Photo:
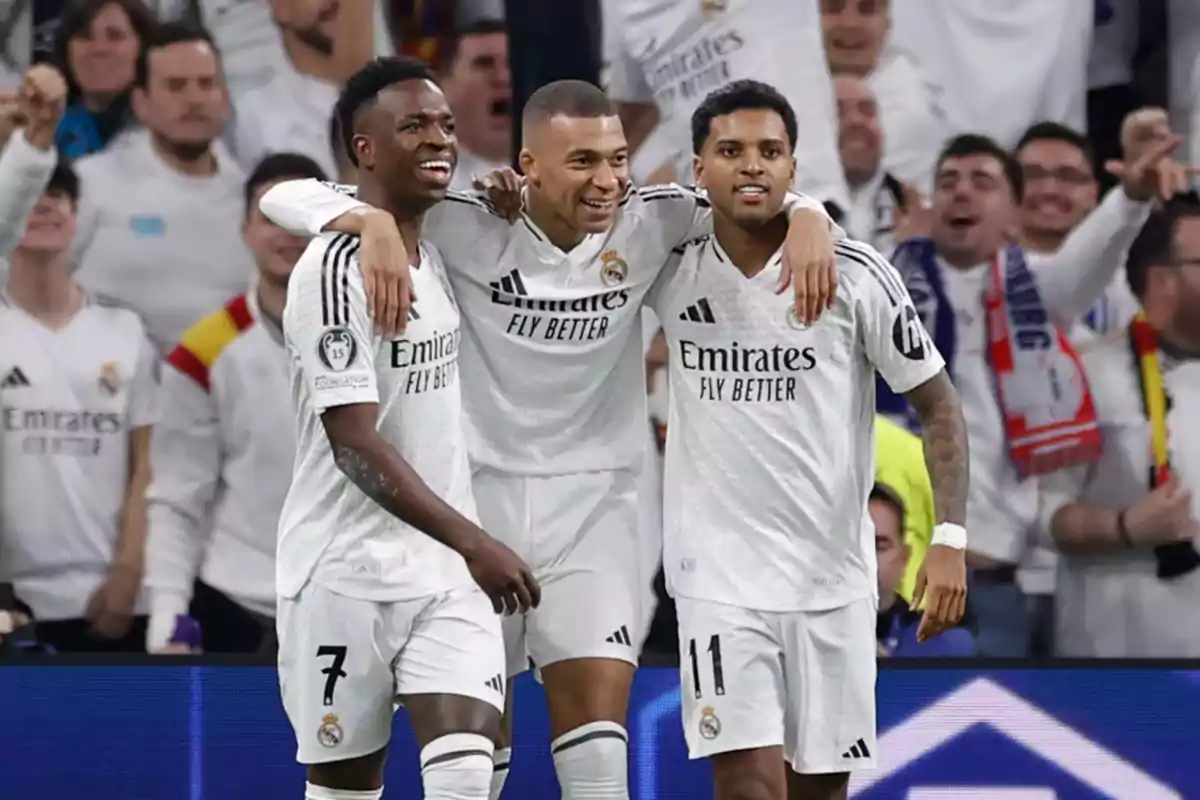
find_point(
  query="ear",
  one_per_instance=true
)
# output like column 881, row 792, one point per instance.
column 906, row 551
column 792, row 173
column 698, row 172
column 528, row 167
column 364, row 150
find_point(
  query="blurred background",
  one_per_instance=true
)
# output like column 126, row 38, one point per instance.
column 139, row 136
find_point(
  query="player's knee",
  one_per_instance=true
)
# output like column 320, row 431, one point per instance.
column 829, row 786
column 457, row 766
column 313, row 791
column 592, row 762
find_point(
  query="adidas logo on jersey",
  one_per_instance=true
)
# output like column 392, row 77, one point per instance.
column 510, row 284
column 495, row 683
column 620, row 636
column 14, row 379
column 859, row 750
column 699, row 311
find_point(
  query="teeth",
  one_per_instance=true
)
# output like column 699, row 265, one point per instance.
column 596, row 203
column 440, row 165
column 752, row 190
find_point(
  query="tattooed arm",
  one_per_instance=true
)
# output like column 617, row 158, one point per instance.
column 945, row 435
column 383, row 475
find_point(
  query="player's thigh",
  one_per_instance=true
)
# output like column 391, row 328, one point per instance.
column 830, row 663
column 586, row 560
column 731, row 679
column 757, row 774
column 335, row 675
column 450, row 673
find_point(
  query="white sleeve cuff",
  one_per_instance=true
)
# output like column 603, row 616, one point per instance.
column 164, row 608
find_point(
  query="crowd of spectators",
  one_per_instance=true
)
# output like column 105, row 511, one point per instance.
column 146, row 445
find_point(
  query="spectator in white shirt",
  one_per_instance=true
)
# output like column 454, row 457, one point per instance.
column 159, row 222
column 478, row 88
column 875, row 194
column 857, row 42
column 1001, row 66
column 325, row 42
column 29, row 156
column 996, row 313
column 77, row 391
column 223, row 450
column 1129, row 573
column 97, row 46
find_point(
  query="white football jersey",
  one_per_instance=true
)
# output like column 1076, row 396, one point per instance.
column 675, row 52
column 330, row 532
column 770, row 437
column 553, row 376
column 68, row 401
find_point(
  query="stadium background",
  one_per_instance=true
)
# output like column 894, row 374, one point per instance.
column 204, row 730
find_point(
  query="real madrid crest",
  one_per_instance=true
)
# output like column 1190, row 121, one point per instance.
column 613, row 269
column 330, row 732
column 793, row 321
column 710, row 725
column 110, row 378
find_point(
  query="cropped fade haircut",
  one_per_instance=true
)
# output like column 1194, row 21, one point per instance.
column 364, row 87
column 741, row 96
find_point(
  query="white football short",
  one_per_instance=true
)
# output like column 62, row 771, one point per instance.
column 343, row 662
column 579, row 535
column 803, row 680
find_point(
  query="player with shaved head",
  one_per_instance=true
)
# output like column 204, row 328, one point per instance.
column 554, row 390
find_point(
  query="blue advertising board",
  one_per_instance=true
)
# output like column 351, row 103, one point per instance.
column 201, row 732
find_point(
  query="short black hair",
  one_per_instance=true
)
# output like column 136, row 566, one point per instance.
column 739, row 96
column 1155, row 244
column 278, row 166
column 974, row 144
column 1056, row 132
column 886, row 494
column 77, row 18
column 165, row 35
column 481, row 27
column 567, row 98
column 365, row 85
column 64, row 181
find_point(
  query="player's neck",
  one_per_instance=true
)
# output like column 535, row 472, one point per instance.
column 407, row 222
column 749, row 248
column 541, row 210
column 41, row 286
column 307, row 60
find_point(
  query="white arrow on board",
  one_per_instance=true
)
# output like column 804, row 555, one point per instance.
column 982, row 702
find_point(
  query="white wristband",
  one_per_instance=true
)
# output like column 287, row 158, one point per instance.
column 948, row 534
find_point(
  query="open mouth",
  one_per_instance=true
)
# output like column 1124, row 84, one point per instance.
column 751, row 192
column 439, row 170
column 501, row 107
column 598, row 205
column 962, row 222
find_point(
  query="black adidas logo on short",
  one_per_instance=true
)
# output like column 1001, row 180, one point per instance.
column 495, row 683
column 620, row 636
column 14, row 379
column 511, row 284
column 859, row 750
column 699, row 311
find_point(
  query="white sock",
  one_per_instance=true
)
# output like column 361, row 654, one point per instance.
column 500, row 761
column 592, row 762
column 314, row 792
column 457, row 766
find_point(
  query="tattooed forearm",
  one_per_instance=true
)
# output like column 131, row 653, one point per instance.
column 945, row 434
column 382, row 475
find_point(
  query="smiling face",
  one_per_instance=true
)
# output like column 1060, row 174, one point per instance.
column 746, row 165
column 854, row 31
column 405, row 140
column 974, row 208
column 580, row 164
column 274, row 249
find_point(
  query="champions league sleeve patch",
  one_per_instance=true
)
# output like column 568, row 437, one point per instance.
column 337, row 350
